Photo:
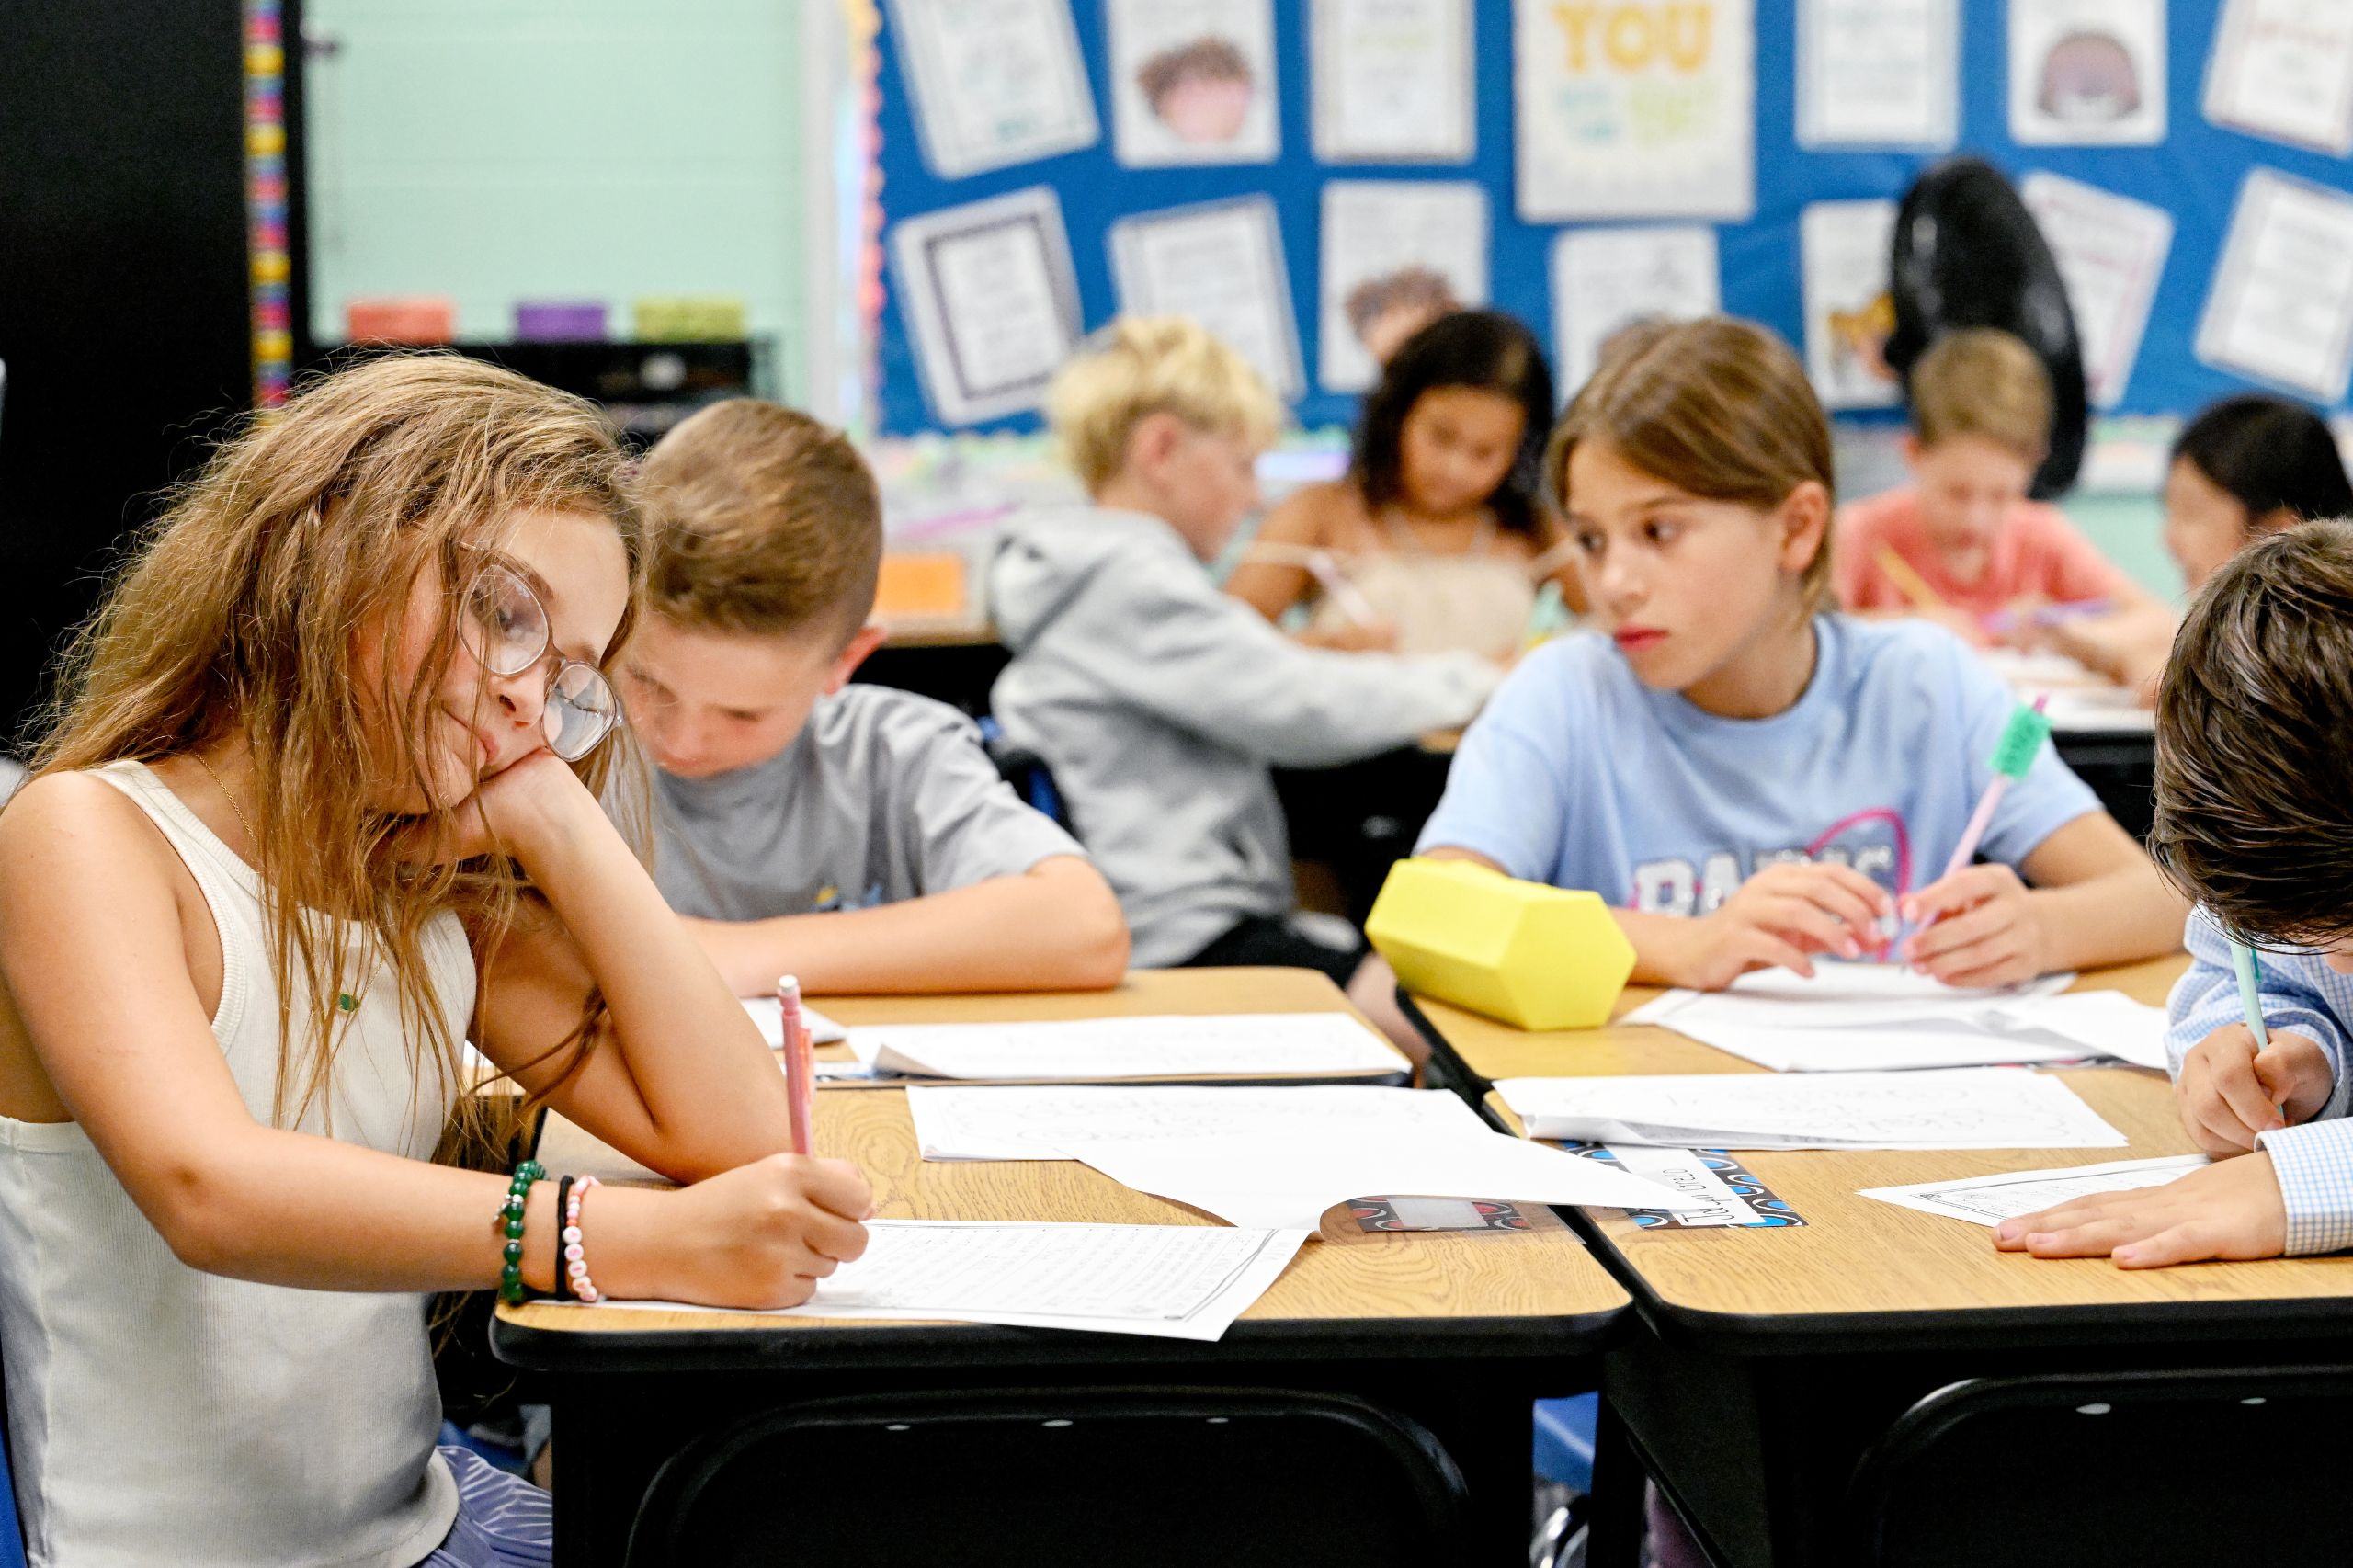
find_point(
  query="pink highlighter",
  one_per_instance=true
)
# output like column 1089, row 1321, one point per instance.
column 799, row 1071
column 2014, row 753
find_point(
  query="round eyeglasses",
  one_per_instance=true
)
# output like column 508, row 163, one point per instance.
column 505, row 626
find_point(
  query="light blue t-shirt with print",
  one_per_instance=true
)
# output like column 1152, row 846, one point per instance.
column 1578, row 775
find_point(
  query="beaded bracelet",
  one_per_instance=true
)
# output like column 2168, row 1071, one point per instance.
column 562, row 1206
column 510, row 1221
column 575, row 1256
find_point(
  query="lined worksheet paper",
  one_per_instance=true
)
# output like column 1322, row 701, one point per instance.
column 1167, row 1282
column 1989, row 1201
column 1025, row 1123
column 1249, row 1044
column 1966, row 1108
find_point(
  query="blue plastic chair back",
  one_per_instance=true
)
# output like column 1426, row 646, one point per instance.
column 1564, row 1430
column 1031, row 778
column 12, row 1531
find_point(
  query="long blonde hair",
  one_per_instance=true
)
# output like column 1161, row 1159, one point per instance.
column 238, row 613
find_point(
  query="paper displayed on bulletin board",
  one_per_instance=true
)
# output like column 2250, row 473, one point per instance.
column 2284, row 69
column 1193, row 81
column 1395, row 254
column 2111, row 254
column 1845, row 248
column 1221, row 263
column 1392, row 81
column 989, row 291
column 1879, row 74
column 1634, row 108
column 2087, row 72
column 994, row 82
column 2280, row 308
column 1604, row 280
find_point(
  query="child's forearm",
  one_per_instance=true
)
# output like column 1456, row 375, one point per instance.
column 709, row 1087
column 2117, row 917
column 1056, row 927
column 1661, row 944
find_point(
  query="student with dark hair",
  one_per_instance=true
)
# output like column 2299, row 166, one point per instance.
column 1436, row 537
column 2246, row 467
column 2255, row 741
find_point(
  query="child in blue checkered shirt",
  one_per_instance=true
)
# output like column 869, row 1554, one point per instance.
column 2255, row 819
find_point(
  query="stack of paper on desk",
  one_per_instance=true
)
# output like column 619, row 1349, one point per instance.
column 1989, row 1201
column 1881, row 1017
column 1967, row 1108
column 1023, row 1123
column 1077, row 1050
column 1170, row 1281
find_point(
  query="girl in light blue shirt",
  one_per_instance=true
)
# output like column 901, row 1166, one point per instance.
column 1752, row 782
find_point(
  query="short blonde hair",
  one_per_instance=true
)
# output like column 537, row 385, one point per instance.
column 765, row 521
column 1145, row 365
column 1980, row 381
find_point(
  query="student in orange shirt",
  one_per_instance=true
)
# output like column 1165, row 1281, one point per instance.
column 1963, row 545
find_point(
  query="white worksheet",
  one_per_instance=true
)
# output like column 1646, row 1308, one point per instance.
column 1846, row 251
column 1989, row 1201
column 1019, row 1122
column 1291, row 1181
column 1221, row 263
column 1879, row 74
column 993, row 82
column 1392, row 81
column 1839, row 994
column 1168, row 1281
column 990, row 300
column 2111, row 254
column 1634, row 110
column 1076, row 1049
column 2087, row 72
column 2284, row 69
column 1604, row 280
column 767, row 1013
column 1961, row 1107
column 2281, row 306
column 1421, row 242
column 1193, row 81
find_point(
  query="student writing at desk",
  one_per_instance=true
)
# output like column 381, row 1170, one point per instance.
column 1751, row 781
column 857, row 837
column 2255, row 819
column 1435, row 535
column 318, row 810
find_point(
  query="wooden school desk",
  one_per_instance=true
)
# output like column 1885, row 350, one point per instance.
column 1773, row 1359
column 1190, row 992
column 1459, row 1331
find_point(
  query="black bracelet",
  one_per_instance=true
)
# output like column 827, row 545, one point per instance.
column 563, row 1202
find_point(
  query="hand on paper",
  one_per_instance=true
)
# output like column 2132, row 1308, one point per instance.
column 760, row 1236
column 1781, row 917
column 1986, row 929
column 2232, row 1210
column 2229, row 1091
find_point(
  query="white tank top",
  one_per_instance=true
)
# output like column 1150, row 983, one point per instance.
column 159, row 1415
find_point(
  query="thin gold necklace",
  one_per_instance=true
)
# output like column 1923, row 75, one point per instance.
column 252, row 838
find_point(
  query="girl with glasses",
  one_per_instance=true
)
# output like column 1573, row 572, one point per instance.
column 318, row 804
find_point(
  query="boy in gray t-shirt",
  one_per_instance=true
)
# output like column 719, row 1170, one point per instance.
column 860, row 838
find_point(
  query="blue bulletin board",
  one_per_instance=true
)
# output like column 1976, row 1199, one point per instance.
column 2195, row 174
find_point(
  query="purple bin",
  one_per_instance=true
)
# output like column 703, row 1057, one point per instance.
column 559, row 320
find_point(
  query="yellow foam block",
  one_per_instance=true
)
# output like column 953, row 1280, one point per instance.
column 1538, row 956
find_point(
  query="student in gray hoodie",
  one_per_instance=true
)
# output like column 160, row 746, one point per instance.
column 1159, row 702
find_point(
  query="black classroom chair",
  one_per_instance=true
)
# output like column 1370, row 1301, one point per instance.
column 1143, row 1477
column 2154, row 1469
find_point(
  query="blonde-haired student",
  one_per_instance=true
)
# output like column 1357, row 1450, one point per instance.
column 318, row 807
column 857, row 837
column 1962, row 544
column 1751, row 781
column 1160, row 702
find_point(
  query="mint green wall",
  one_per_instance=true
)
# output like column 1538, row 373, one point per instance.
column 2129, row 531
column 491, row 150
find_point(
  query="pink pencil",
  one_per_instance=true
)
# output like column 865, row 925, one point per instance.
column 800, row 1072
column 2012, row 756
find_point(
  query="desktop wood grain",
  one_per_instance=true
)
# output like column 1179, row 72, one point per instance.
column 1351, row 1274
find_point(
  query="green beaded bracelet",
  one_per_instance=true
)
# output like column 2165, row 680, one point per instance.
column 510, row 1223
